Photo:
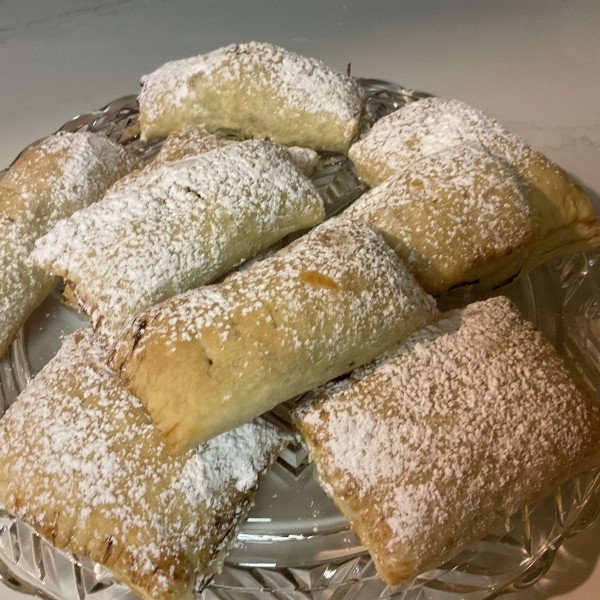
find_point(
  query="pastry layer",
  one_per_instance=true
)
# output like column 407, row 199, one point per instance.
column 176, row 227
column 215, row 357
column 48, row 182
column 82, row 463
column 466, row 215
column 258, row 90
column 427, row 127
column 432, row 446
column 191, row 142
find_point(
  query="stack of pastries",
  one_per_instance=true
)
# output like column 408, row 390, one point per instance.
column 141, row 444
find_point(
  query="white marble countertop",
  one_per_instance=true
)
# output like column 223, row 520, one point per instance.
column 534, row 64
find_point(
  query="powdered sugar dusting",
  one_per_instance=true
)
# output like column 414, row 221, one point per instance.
column 50, row 181
column 431, row 445
column 304, row 158
column 177, row 227
column 303, row 85
column 333, row 299
column 345, row 260
column 191, row 142
column 452, row 213
column 427, row 127
column 81, row 461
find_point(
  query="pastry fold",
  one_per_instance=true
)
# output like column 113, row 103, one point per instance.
column 48, row 182
column 191, row 142
column 434, row 445
column 81, row 462
column 258, row 90
column 211, row 359
column 176, row 227
column 431, row 125
column 466, row 215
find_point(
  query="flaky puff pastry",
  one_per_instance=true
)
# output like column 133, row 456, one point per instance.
column 434, row 445
column 48, row 182
column 191, row 142
column 82, row 463
column 466, row 216
column 408, row 141
column 211, row 359
column 258, row 90
column 177, row 226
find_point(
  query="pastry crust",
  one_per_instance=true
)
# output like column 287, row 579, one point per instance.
column 176, row 227
column 434, row 445
column 191, row 142
column 48, row 182
column 466, row 216
column 427, row 127
column 258, row 90
column 82, row 463
column 213, row 358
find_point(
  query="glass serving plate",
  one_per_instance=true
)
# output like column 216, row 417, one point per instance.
column 295, row 545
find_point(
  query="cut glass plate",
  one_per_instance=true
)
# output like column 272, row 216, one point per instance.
column 295, row 544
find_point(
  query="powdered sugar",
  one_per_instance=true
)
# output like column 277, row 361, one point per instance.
column 198, row 91
column 359, row 254
column 176, row 227
column 50, row 181
column 190, row 142
column 469, row 419
column 304, row 158
column 333, row 299
column 305, row 82
column 427, row 127
column 452, row 213
column 81, row 461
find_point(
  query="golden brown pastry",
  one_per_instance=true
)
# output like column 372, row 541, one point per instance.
column 466, row 216
column 191, row 142
column 48, row 182
column 258, row 90
column 434, row 445
column 176, row 227
column 82, row 463
column 431, row 125
column 206, row 361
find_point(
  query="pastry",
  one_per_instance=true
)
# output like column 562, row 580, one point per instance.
column 434, row 445
column 177, row 227
column 81, row 462
column 190, row 142
column 305, row 159
column 211, row 359
column 431, row 125
column 256, row 90
column 49, row 181
column 467, row 216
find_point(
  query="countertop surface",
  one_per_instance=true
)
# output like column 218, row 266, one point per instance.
column 534, row 65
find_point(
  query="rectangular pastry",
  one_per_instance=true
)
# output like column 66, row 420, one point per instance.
column 432, row 446
column 465, row 216
column 258, row 90
column 48, row 182
column 176, row 227
column 406, row 151
column 81, row 462
column 211, row 359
